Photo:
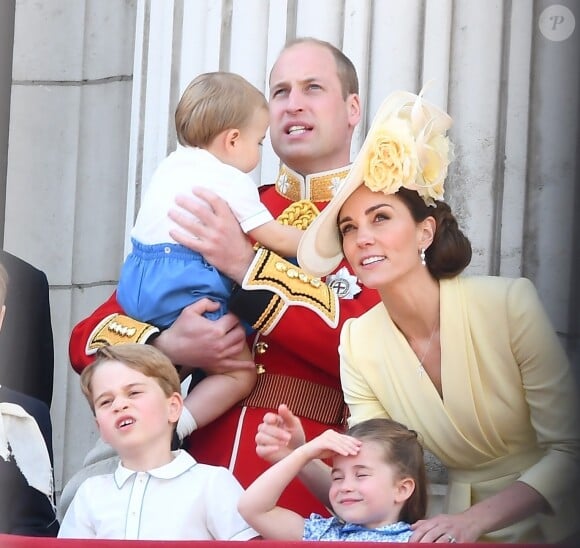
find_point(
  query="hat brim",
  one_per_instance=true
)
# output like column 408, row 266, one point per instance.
column 320, row 248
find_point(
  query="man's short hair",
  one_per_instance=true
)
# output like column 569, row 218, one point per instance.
column 344, row 66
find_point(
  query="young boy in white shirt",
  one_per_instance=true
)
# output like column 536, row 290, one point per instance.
column 220, row 121
column 155, row 493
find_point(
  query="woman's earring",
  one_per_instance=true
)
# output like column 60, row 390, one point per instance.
column 423, row 257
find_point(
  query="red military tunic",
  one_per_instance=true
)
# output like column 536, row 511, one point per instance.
column 295, row 346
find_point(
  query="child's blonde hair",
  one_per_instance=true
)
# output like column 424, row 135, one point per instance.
column 403, row 451
column 4, row 278
column 212, row 103
column 141, row 357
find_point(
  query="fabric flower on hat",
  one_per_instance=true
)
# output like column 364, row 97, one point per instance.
column 435, row 154
column 409, row 149
column 392, row 160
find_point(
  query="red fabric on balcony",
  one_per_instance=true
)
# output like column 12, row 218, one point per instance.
column 15, row 541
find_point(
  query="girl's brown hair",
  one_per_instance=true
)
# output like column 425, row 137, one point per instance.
column 403, row 451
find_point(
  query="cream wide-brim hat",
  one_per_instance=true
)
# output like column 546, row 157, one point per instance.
column 320, row 249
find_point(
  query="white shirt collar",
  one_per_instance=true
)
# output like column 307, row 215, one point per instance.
column 181, row 463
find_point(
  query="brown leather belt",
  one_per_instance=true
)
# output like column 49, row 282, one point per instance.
column 303, row 397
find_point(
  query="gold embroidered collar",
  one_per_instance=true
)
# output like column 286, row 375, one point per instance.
column 317, row 187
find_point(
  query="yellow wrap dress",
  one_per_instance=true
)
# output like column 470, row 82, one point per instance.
column 509, row 407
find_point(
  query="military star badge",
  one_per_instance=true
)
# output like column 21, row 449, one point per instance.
column 343, row 283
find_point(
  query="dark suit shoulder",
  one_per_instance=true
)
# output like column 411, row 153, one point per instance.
column 33, row 406
column 15, row 265
column 26, row 340
column 36, row 409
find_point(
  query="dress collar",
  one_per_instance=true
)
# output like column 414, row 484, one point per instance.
column 316, row 187
column 182, row 462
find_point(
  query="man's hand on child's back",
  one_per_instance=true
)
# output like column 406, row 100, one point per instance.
column 193, row 341
column 212, row 231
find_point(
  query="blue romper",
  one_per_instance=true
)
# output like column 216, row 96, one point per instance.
column 158, row 281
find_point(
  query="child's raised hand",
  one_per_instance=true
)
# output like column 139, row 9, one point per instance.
column 331, row 443
column 279, row 434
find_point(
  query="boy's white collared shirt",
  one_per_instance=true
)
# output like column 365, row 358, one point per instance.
column 178, row 501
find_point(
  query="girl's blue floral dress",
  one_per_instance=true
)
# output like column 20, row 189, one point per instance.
column 317, row 527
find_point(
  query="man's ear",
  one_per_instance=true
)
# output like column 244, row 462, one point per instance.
column 353, row 109
column 404, row 489
column 2, row 314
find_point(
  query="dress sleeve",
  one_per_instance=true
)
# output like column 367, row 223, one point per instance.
column 551, row 393
column 358, row 395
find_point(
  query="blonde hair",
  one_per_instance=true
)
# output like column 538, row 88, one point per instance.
column 142, row 358
column 4, row 278
column 212, row 103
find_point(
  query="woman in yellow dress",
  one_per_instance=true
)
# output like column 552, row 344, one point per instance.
column 471, row 363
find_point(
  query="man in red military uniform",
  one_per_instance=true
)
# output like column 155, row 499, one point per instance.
column 314, row 108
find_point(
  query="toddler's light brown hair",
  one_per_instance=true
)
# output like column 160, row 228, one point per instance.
column 214, row 102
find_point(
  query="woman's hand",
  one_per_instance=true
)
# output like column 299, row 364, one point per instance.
column 512, row 504
column 445, row 528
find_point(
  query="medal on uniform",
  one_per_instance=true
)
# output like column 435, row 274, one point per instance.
column 343, row 283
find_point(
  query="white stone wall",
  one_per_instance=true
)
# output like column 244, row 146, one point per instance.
column 67, row 169
column 95, row 84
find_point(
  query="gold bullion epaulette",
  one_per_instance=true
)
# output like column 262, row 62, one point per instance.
column 118, row 329
column 292, row 286
column 299, row 214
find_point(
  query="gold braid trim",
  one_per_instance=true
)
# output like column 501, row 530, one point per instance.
column 292, row 285
column 318, row 187
column 118, row 329
column 299, row 214
column 268, row 318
